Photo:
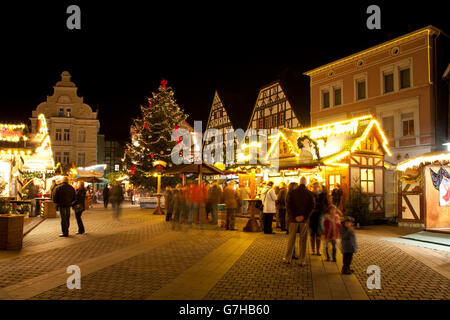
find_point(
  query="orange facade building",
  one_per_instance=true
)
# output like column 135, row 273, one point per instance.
column 399, row 82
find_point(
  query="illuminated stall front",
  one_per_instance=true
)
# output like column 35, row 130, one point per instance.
column 23, row 153
column 349, row 153
column 424, row 192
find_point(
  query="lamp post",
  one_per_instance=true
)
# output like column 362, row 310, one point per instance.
column 159, row 166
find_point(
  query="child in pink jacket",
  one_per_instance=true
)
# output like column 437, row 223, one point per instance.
column 331, row 226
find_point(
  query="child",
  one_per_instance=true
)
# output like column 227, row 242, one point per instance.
column 348, row 243
column 331, row 226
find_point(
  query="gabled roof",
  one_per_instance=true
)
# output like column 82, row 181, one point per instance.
column 218, row 100
column 335, row 140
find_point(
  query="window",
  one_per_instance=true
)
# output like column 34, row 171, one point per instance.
column 405, row 79
column 325, row 99
column 388, row 79
column 81, row 135
column 81, row 159
column 388, row 127
column 337, row 96
column 261, row 124
column 333, row 180
column 275, row 120
column 368, row 180
column 408, row 124
column 66, row 134
column 281, row 119
column 57, row 157
column 61, row 112
column 58, row 134
column 68, row 112
column 268, row 123
column 66, row 157
column 360, row 89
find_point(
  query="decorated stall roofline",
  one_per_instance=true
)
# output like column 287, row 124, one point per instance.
column 443, row 158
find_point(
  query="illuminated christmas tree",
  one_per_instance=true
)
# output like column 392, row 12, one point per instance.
column 151, row 135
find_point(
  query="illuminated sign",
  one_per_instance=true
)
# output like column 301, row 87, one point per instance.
column 335, row 129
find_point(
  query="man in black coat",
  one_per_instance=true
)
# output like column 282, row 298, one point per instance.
column 105, row 195
column 64, row 197
column 299, row 205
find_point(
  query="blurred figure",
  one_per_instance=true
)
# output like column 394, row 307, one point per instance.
column 106, row 196
column 168, row 200
column 176, row 199
column 268, row 198
column 315, row 227
column 215, row 195
column 336, row 195
column 331, row 226
column 64, row 198
column 348, row 243
column 196, row 199
column 116, row 197
column 79, row 206
column 244, row 195
column 230, row 198
column 299, row 204
column 281, row 205
column 184, row 203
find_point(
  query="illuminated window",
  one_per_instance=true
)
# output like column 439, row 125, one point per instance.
column 408, row 124
column 58, row 134
column 405, row 79
column 81, row 135
column 325, row 99
column 66, row 134
column 333, row 180
column 281, row 118
column 275, row 120
column 360, row 89
column 68, row 112
column 388, row 80
column 368, row 180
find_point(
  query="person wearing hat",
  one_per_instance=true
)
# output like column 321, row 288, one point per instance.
column 348, row 244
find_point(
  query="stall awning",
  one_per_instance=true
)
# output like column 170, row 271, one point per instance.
column 436, row 157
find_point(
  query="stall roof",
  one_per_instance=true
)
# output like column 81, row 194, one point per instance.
column 440, row 157
column 335, row 141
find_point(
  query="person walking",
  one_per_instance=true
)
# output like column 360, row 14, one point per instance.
column 116, row 197
column 331, row 226
column 78, row 206
column 176, row 199
column 215, row 196
column 268, row 198
column 315, row 222
column 336, row 195
column 281, row 206
column 64, row 197
column 168, row 200
column 245, row 196
column 106, row 196
column 299, row 205
column 230, row 197
column 348, row 244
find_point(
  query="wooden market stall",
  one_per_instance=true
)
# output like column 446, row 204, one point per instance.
column 424, row 192
column 349, row 153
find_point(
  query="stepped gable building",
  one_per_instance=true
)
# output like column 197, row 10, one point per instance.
column 72, row 125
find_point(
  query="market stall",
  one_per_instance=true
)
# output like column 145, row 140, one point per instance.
column 424, row 192
column 348, row 153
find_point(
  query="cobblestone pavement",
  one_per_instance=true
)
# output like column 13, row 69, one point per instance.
column 141, row 254
column 266, row 279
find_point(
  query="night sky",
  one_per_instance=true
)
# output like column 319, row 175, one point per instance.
column 125, row 48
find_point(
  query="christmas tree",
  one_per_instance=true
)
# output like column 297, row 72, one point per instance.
column 151, row 136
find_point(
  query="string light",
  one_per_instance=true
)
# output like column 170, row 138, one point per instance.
column 417, row 161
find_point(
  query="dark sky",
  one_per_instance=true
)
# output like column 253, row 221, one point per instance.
column 125, row 48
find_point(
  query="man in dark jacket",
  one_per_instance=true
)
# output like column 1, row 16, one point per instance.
column 105, row 195
column 299, row 205
column 281, row 204
column 64, row 197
